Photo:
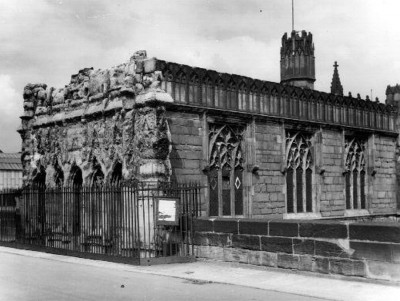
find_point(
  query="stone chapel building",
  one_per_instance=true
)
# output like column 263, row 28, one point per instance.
column 260, row 149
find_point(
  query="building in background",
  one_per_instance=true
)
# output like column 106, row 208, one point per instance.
column 10, row 170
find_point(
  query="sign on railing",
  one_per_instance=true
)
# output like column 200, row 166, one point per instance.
column 167, row 211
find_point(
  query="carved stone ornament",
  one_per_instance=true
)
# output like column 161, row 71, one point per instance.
column 225, row 146
column 298, row 151
column 355, row 158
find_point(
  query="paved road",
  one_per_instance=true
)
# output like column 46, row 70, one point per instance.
column 30, row 278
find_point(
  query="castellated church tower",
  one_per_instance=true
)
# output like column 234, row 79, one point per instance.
column 297, row 60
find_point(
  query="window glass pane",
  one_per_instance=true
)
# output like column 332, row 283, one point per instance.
column 299, row 189
column 309, row 190
column 213, row 184
column 289, row 190
column 226, row 192
column 238, row 192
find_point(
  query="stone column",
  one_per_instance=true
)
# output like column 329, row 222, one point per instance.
column 153, row 144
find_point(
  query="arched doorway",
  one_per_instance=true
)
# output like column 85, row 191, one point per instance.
column 76, row 181
column 115, row 211
column 96, row 203
column 116, row 176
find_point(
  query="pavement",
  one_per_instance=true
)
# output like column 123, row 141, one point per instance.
column 320, row 286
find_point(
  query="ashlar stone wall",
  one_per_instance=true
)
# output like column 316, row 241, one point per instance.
column 269, row 197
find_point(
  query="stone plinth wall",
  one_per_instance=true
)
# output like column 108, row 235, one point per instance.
column 368, row 250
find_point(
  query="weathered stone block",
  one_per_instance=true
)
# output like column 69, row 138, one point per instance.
column 236, row 255
column 359, row 268
column 139, row 66
column 323, row 229
column 283, row 228
column 330, row 249
column 372, row 251
column 246, row 242
column 256, row 227
column 341, row 266
column 213, row 239
column 216, row 253
column 287, row 261
column 383, row 270
column 375, row 232
column 254, row 257
column 269, row 259
column 306, row 263
column 149, row 65
column 203, row 225
column 321, row 265
column 200, row 238
column 276, row 244
column 395, row 253
column 304, row 246
column 226, row 226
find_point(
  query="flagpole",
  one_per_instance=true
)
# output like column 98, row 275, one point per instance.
column 292, row 15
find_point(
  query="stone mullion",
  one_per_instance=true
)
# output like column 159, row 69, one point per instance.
column 232, row 188
column 351, row 188
column 304, row 190
column 359, row 188
column 294, row 188
column 220, row 201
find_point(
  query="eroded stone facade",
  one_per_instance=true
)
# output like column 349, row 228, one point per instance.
column 102, row 119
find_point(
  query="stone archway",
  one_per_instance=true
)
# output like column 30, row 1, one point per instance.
column 76, row 181
column 116, row 175
column 58, row 176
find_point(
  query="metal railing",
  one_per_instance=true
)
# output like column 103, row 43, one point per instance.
column 118, row 220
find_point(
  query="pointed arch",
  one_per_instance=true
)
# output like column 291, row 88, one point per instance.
column 225, row 174
column 116, row 174
column 75, row 179
column 97, row 176
column 39, row 177
column 74, row 208
column 355, row 166
column 58, row 175
column 299, row 173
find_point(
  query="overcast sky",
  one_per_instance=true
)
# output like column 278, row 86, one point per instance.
column 47, row 41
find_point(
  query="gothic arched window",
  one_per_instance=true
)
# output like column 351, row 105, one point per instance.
column 225, row 176
column 299, row 173
column 355, row 174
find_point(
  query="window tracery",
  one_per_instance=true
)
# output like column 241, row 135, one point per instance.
column 226, row 169
column 299, row 174
column 355, row 176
